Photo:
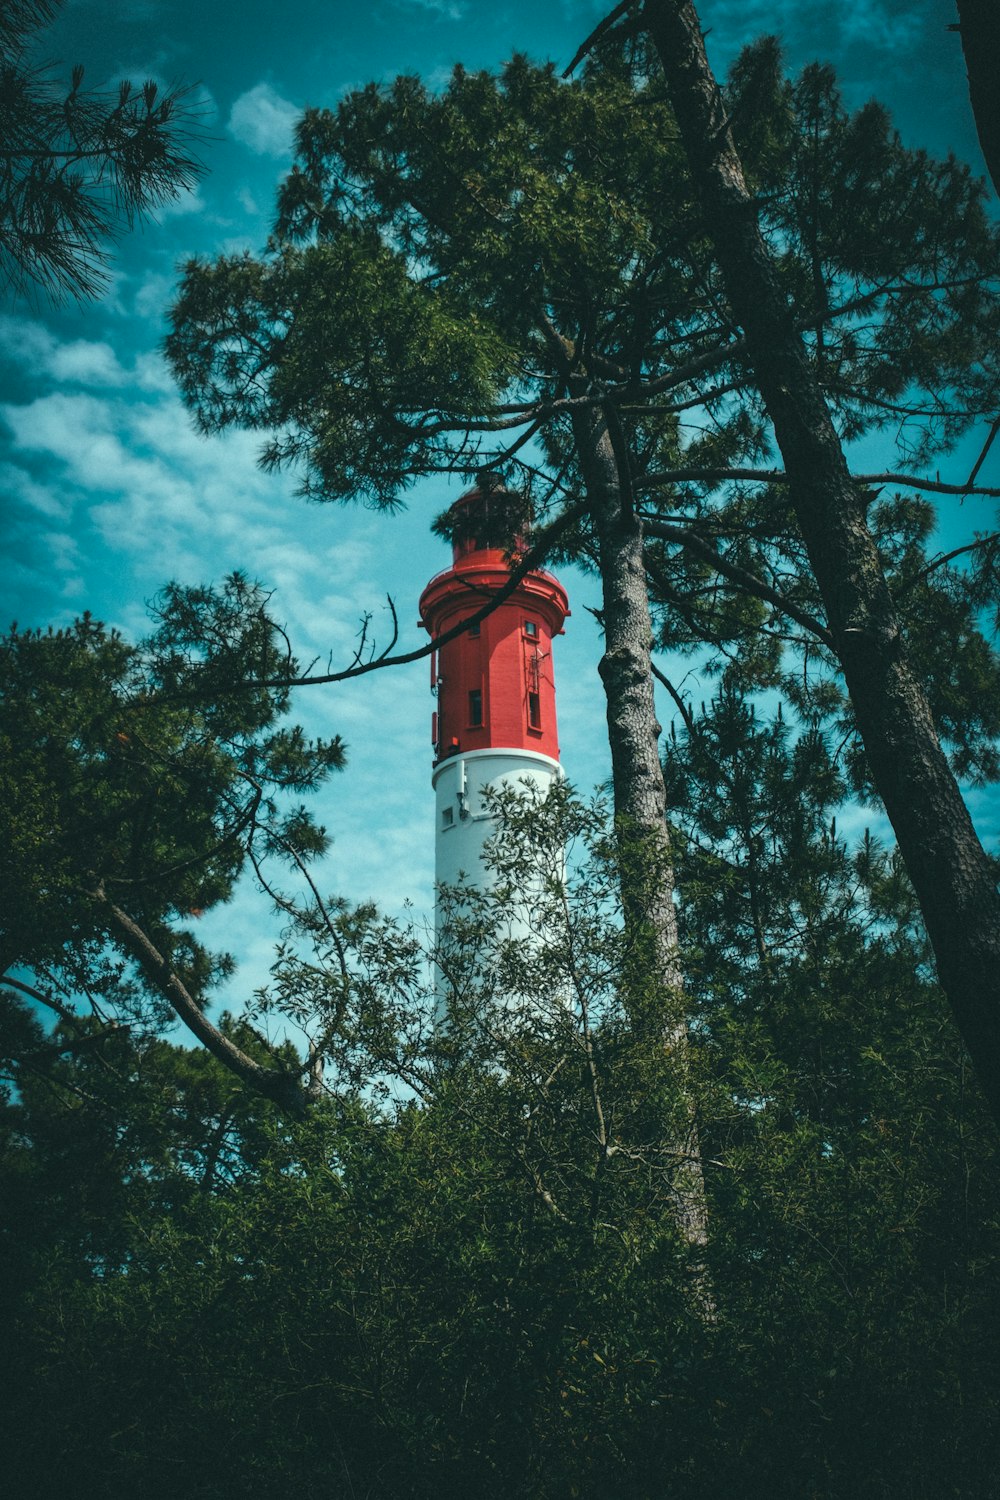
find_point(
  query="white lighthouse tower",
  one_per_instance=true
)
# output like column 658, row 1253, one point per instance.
column 495, row 723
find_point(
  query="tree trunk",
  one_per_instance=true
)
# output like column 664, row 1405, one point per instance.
column 654, row 981
column 950, row 871
column 633, row 730
column 979, row 27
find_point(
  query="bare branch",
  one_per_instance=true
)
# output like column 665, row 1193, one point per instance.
column 944, row 558
column 275, row 1084
column 740, row 576
column 532, row 559
column 994, row 429
column 778, row 476
column 597, row 35
column 62, row 1011
column 685, row 712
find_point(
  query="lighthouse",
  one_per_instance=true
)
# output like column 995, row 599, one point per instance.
column 495, row 721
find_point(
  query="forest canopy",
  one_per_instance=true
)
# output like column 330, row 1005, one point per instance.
column 698, row 1192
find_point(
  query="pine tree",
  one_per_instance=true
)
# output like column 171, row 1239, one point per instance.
column 953, row 875
column 135, row 791
column 454, row 275
column 77, row 165
column 464, row 1261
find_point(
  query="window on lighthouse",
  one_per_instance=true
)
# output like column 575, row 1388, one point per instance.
column 475, row 708
column 531, row 628
column 534, row 711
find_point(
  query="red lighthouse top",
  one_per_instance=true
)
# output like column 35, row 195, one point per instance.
column 494, row 683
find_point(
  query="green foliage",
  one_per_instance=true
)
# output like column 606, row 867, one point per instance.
column 890, row 266
column 345, row 323
column 453, row 1275
column 489, row 230
column 452, row 271
column 463, row 1270
column 845, row 1107
column 548, row 222
column 78, row 164
column 127, row 775
column 894, row 244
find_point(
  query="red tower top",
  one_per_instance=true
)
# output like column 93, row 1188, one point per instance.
column 494, row 683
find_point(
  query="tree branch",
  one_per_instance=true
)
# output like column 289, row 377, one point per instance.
column 532, row 559
column 744, row 579
column 778, row 476
column 281, row 1087
column 685, row 712
column 40, row 997
column 944, row 558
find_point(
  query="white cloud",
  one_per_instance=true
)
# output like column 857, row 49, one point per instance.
column 874, row 26
column 25, row 342
column 78, row 362
column 17, row 485
column 187, row 201
column 436, row 80
column 129, row 472
column 452, row 10
column 262, row 120
column 247, row 201
column 116, row 493
column 153, row 293
column 152, row 373
column 86, row 363
column 820, row 24
column 238, row 244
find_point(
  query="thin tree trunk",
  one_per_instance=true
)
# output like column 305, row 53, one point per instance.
column 626, row 671
column 952, row 876
column 639, row 793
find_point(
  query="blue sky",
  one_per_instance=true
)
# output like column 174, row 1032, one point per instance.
column 107, row 490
